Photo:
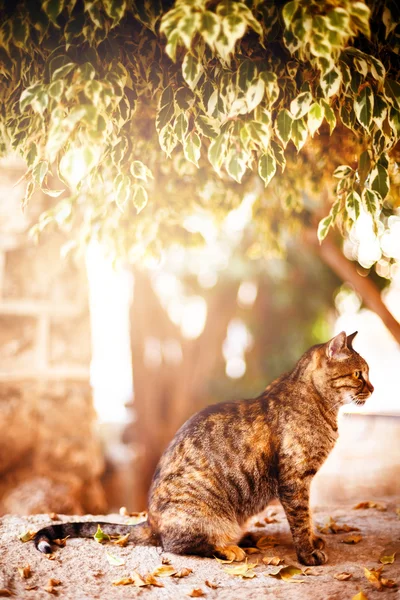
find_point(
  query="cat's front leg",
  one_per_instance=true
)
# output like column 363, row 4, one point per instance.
column 295, row 501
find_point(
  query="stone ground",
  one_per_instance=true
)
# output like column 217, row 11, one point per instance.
column 85, row 573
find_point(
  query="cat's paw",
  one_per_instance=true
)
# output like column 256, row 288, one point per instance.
column 317, row 542
column 233, row 553
column 317, row 557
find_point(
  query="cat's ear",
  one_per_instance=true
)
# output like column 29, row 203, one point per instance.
column 337, row 346
column 350, row 339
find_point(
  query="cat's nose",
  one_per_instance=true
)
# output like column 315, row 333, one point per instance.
column 370, row 386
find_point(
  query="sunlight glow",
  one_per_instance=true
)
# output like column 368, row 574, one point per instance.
column 237, row 342
column 247, row 294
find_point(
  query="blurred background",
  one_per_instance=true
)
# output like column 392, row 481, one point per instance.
column 101, row 364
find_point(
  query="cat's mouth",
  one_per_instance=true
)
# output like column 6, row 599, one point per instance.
column 361, row 399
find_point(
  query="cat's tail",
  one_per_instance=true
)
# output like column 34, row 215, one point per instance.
column 140, row 534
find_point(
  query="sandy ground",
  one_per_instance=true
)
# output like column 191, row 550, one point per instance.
column 83, row 569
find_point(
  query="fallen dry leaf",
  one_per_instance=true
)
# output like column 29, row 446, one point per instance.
column 61, row 542
column 250, row 551
column 196, row 593
column 50, row 588
column 29, row 588
column 115, row 561
column 389, row 583
column 398, row 511
column 273, row 560
column 360, row 596
column 123, row 581
column 122, row 540
column 373, row 577
column 27, row 536
column 388, row 559
column 343, row 576
column 183, row 573
column 332, row 527
column 244, row 570
column 165, row 560
column 137, row 517
column 50, row 556
column 54, row 516
column 364, row 505
column 352, row 539
column 4, row 593
column 312, row 571
column 54, row 582
column 286, row 573
column 266, row 541
column 100, row 536
column 211, row 585
column 25, row 572
column 164, row 571
column 224, row 561
column 259, row 524
column 151, row 580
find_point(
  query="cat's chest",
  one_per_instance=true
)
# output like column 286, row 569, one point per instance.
column 308, row 446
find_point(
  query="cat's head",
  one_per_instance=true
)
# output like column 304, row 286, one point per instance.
column 342, row 375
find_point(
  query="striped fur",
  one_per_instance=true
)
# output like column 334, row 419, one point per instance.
column 228, row 461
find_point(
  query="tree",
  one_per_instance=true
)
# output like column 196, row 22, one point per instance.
column 228, row 88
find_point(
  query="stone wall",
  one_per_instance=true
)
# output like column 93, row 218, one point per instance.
column 50, row 459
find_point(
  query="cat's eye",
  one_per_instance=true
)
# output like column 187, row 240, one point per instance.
column 357, row 374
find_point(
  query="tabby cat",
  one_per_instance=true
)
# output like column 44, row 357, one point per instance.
column 228, row 461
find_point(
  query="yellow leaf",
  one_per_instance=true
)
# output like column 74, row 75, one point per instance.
column 352, row 539
column 244, row 570
column 251, row 550
column 388, row 559
column 183, row 573
column 364, row 505
column 389, row 583
column 123, row 581
column 149, row 579
column 61, row 542
column 273, row 560
column 223, row 560
column 25, row 572
column 266, row 541
column 373, row 577
column 312, row 571
column 27, row 536
column 122, row 541
column 164, row 571
column 286, row 573
column 116, row 561
column 332, row 527
column 196, row 593
column 360, row 596
column 343, row 576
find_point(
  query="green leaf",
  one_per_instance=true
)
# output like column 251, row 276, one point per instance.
column 300, row 105
column 364, row 165
column 379, row 181
column 39, row 171
column 360, row 14
column 210, row 26
column 337, row 19
column 343, row 171
column 259, row 133
column 140, row 171
column 53, row 9
column 31, row 155
column 283, row 126
column 191, row 70
column 168, row 139
column 62, row 71
column 278, row 154
column 207, row 126
column 191, row 148
column 236, row 165
column 266, row 167
column 56, row 89
column 246, row 74
column 20, row 32
column 217, row 151
column 353, row 203
column 140, row 198
column 314, row 118
column 329, row 115
column 28, row 95
column 371, row 201
column 299, row 133
column 166, row 108
column 380, row 110
column 330, row 82
column 181, row 127
column 392, row 92
column 288, row 12
column 363, row 107
column 100, row 536
column 323, row 227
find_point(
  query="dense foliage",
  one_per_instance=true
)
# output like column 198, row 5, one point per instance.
column 148, row 111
